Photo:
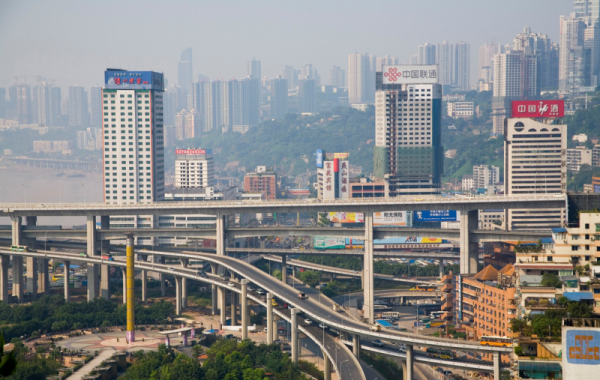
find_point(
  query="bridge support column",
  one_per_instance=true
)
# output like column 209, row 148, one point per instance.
column 222, row 305
column 66, row 272
column 327, row 369
column 105, row 269
column 5, row 260
column 92, row 269
column 43, row 280
column 220, row 226
column 408, row 374
column 284, row 269
column 368, row 280
column 215, row 303
column 441, row 268
column 294, row 336
column 233, row 308
column 184, row 264
column 269, row 318
column 32, row 278
column 244, row 301
column 144, row 285
column 178, row 295
column 17, row 268
column 356, row 345
column 130, row 258
column 124, row 271
column 469, row 252
column 496, row 366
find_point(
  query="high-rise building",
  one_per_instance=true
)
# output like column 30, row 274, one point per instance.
column 462, row 66
column 547, row 57
column 487, row 52
column 386, row 60
column 408, row 151
column 263, row 181
column 515, row 78
column 96, row 106
column 426, row 54
column 133, row 136
column 194, row 168
column 185, row 70
column 78, row 107
column 23, row 103
column 485, row 175
column 306, row 95
column 359, row 78
column 578, row 156
column 574, row 57
column 587, row 8
column 445, row 61
column 279, row 98
column 48, row 100
column 2, row 103
column 535, row 162
column 291, row 75
column 596, row 156
column 254, row 70
column 337, row 77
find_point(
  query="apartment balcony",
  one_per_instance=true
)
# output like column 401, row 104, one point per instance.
column 447, row 277
column 447, row 316
column 447, row 288
column 447, row 306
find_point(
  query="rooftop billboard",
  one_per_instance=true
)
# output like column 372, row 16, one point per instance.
column 410, row 74
column 133, row 80
column 193, row 151
column 538, row 108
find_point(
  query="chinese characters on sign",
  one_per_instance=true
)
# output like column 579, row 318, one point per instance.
column 410, row 74
column 328, row 180
column 344, row 185
column 538, row 108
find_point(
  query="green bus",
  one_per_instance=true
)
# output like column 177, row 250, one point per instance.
column 442, row 354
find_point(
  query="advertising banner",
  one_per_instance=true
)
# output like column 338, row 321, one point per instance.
column 344, row 179
column 393, row 218
column 436, row 216
column 408, row 74
column 133, row 80
column 341, row 156
column 319, row 157
column 346, row 217
column 327, row 242
column 328, row 180
column 596, row 188
column 354, row 243
column 193, row 151
column 538, row 108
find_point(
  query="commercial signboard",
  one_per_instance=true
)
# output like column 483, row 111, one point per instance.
column 410, row 74
column 328, row 180
column 436, row 216
column 319, row 157
column 581, row 352
column 133, row 80
column 193, row 151
column 538, row 108
column 341, row 156
column 328, row 242
column 346, row 217
column 393, row 218
column 408, row 240
column 344, row 180
column 354, row 243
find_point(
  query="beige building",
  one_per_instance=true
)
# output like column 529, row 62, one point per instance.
column 577, row 157
column 461, row 109
column 194, row 169
column 535, row 162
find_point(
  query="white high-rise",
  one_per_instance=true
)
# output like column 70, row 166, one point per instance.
column 132, row 127
column 426, row 55
column 445, row 60
column 359, row 73
column 194, row 169
column 485, row 175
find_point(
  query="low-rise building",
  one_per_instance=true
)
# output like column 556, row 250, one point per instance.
column 467, row 182
column 461, row 109
column 577, row 157
column 263, row 181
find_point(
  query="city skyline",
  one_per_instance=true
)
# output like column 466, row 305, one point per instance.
column 66, row 58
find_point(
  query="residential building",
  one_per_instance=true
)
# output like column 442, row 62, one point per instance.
column 364, row 188
column 577, row 157
column 596, row 156
column 306, row 95
column 133, row 136
column 48, row 99
column 425, row 56
column 580, row 138
column 462, row 66
column 487, row 52
column 96, row 107
column 467, row 182
column 574, row 55
column 485, row 175
column 387, row 60
column 445, row 61
column 254, row 69
column 194, row 169
column 262, row 181
column 2, row 103
column 535, row 162
column 359, row 73
column 515, row 78
column 291, row 75
column 22, row 100
column 408, row 153
column 279, row 98
column 78, row 107
column 547, row 57
column 337, row 77
column 491, row 219
column 185, row 70
column 461, row 109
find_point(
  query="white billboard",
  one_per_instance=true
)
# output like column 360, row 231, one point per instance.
column 410, row 74
column 393, row 218
column 328, row 180
column 344, row 179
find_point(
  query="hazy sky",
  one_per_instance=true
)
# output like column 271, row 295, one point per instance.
column 72, row 42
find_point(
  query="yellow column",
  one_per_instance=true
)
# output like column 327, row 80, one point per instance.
column 130, row 289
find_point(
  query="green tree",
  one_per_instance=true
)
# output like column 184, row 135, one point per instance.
column 197, row 350
column 551, row 280
column 8, row 362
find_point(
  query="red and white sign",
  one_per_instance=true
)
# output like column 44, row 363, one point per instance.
column 328, row 180
column 190, row 151
column 410, row 74
column 344, row 182
column 538, row 108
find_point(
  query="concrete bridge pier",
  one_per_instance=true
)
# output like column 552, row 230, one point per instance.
column 270, row 326
column 92, row 269
column 178, row 300
column 234, row 308
column 161, row 277
column 294, row 335
column 43, row 276
column 408, row 370
column 496, row 366
column 105, row 269
column 469, row 252
column 327, row 369
column 32, row 276
column 284, row 269
column 441, row 268
column 222, row 305
column 4, row 262
column 17, row 268
column 184, row 264
column 244, row 301
column 215, row 303
column 67, row 272
column 356, row 345
column 368, row 267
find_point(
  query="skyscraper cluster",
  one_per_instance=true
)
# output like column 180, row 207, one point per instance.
column 453, row 61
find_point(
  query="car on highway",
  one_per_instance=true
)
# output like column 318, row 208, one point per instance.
column 377, row 343
column 302, row 296
column 274, row 302
column 223, row 277
column 260, row 291
column 250, row 289
column 308, row 321
column 323, row 325
column 202, row 274
column 402, row 348
column 230, row 283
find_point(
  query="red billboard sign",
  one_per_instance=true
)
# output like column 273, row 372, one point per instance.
column 538, row 108
column 190, row 151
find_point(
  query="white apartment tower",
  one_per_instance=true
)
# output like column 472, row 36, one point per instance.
column 194, row 169
column 132, row 129
column 485, row 175
column 535, row 162
column 359, row 72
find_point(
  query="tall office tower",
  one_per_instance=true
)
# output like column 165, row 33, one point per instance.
column 133, row 138
column 194, row 168
column 426, row 54
column 254, row 70
column 462, row 66
column 187, row 124
column 96, row 106
column 48, row 104
column 408, row 152
column 515, row 78
column 279, row 98
column 486, row 60
column 169, row 133
column 306, row 95
column 587, row 8
column 2, row 103
column 250, row 101
column 485, row 175
column 359, row 72
column 78, row 107
column 337, row 77
column 309, row 72
column 23, row 103
column 386, row 60
column 185, row 70
column 291, row 75
column 547, row 57
column 535, row 162
column 574, row 57
column 445, row 61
